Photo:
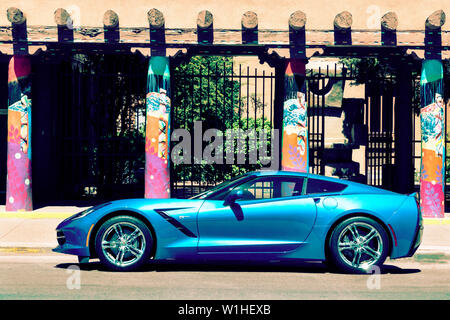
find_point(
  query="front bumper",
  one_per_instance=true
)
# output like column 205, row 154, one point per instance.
column 72, row 237
column 70, row 249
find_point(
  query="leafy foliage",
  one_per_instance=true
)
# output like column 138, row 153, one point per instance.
column 366, row 69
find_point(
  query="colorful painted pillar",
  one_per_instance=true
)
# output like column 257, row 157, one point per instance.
column 294, row 152
column 432, row 119
column 18, row 185
column 157, row 132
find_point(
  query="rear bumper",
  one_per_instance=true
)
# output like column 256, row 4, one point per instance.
column 407, row 223
column 417, row 239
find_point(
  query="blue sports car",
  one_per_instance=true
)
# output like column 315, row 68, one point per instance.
column 260, row 215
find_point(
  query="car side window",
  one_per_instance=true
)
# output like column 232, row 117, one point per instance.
column 323, row 186
column 259, row 190
column 272, row 187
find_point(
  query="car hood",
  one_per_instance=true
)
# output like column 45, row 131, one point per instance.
column 151, row 204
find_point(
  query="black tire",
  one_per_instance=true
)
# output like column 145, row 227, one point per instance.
column 116, row 248
column 358, row 251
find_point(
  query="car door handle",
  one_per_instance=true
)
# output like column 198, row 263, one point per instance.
column 316, row 200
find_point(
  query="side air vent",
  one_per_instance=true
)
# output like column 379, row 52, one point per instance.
column 60, row 237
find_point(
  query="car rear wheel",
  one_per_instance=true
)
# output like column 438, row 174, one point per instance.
column 357, row 244
column 123, row 243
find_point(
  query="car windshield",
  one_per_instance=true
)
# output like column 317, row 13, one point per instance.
column 220, row 186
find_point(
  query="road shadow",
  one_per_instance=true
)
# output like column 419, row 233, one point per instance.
column 285, row 267
column 390, row 269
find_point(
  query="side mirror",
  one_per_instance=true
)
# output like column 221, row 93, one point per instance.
column 232, row 197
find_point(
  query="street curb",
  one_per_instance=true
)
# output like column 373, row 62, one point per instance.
column 36, row 215
column 430, row 249
column 429, row 221
column 25, row 249
column 21, row 245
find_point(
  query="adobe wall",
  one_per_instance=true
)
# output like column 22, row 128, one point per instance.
column 227, row 14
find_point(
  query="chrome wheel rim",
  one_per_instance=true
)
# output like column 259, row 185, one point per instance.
column 123, row 244
column 360, row 245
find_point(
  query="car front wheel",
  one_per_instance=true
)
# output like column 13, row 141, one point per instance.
column 123, row 243
column 357, row 244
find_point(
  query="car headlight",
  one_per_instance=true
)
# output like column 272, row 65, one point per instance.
column 84, row 213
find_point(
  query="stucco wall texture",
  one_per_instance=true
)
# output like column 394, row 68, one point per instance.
column 228, row 13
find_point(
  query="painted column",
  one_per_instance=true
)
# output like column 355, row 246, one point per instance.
column 432, row 196
column 294, row 153
column 18, row 185
column 157, row 132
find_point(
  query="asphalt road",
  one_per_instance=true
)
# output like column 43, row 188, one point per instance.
column 41, row 274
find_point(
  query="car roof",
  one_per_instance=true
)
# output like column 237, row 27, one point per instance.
column 287, row 173
column 355, row 186
column 263, row 173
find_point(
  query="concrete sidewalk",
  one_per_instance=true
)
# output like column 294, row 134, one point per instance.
column 36, row 229
column 33, row 229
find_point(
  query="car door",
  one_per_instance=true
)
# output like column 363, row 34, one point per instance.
column 272, row 216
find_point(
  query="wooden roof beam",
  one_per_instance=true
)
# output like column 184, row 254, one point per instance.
column 389, row 24
column 297, row 34
column 343, row 28
column 111, row 26
column 19, row 30
column 433, row 37
column 157, row 31
column 205, row 29
column 249, row 23
column 64, row 23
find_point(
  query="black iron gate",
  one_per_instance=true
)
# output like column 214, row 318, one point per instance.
column 101, row 126
column 379, row 118
column 317, row 89
column 325, row 85
column 316, row 122
column 3, row 124
column 368, row 122
column 100, row 121
column 220, row 94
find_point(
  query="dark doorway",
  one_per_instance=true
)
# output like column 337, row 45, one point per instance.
column 89, row 127
column 3, row 124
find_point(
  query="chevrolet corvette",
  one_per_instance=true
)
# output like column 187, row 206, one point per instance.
column 257, row 216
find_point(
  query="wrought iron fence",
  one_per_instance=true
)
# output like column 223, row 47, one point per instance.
column 3, row 124
column 101, row 101
column 221, row 94
column 379, row 119
column 101, row 121
column 325, row 86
